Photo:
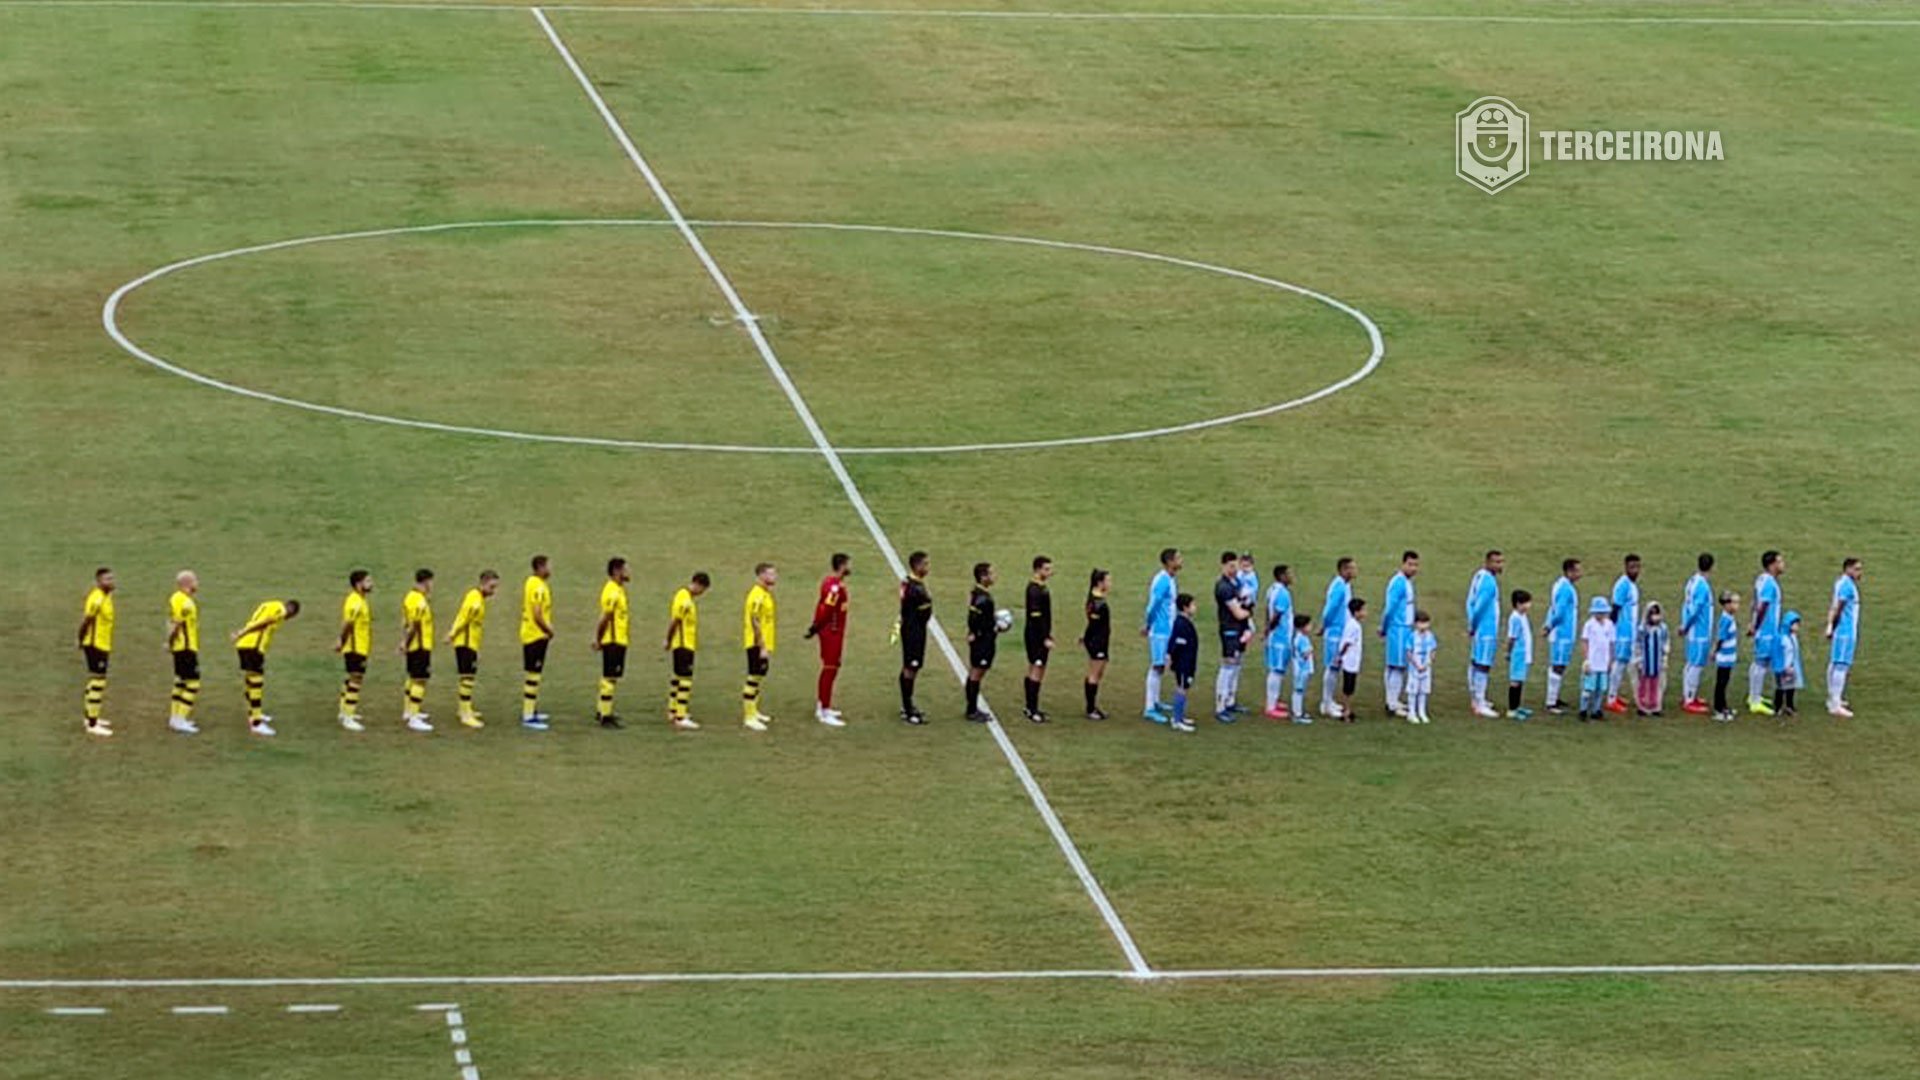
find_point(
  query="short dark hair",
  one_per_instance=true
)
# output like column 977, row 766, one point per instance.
column 1356, row 605
column 1520, row 596
column 701, row 579
column 1631, row 557
column 1184, row 600
column 980, row 571
column 1167, row 555
column 538, row 563
column 1409, row 554
column 1280, row 569
column 1494, row 552
column 1040, row 561
column 1301, row 622
column 422, row 575
column 293, row 608
column 918, row 558
column 839, row 561
column 1342, row 563
column 1848, row 563
column 1706, row 562
column 1567, row 565
column 1768, row 558
column 102, row 571
column 761, row 568
column 489, row 575
column 615, row 565
column 355, row 577
column 1229, row 556
column 1420, row 615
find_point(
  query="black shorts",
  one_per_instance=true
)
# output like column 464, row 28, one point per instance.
column 1183, row 679
column 533, row 655
column 1232, row 644
column 96, row 660
column 354, row 662
column 1348, row 680
column 613, row 661
column 758, row 662
column 1037, row 652
column 913, row 648
column 420, row 664
column 683, row 663
column 466, row 661
column 1096, row 649
column 980, row 653
column 186, row 664
column 253, row 661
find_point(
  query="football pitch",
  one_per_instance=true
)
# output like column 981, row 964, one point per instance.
column 448, row 285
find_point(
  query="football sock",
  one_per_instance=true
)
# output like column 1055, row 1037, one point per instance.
column 1618, row 676
column 96, row 698
column 1179, row 705
column 1756, row 680
column 750, row 695
column 466, row 695
column 530, row 695
column 416, row 696
column 350, row 695
column 906, row 693
column 189, row 694
column 603, row 706
column 1690, row 683
column 1513, row 696
column 254, row 686
column 1836, row 685
column 173, row 700
column 1033, row 696
column 1153, row 688
column 973, row 696
column 1396, row 685
column 1093, row 694
column 1299, row 700
column 1554, row 678
column 1273, row 690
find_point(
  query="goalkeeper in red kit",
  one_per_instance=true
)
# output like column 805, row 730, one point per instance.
column 830, row 626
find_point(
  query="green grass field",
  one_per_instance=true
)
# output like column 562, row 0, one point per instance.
column 1607, row 357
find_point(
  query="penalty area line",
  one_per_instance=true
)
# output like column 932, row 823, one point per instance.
column 751, row 325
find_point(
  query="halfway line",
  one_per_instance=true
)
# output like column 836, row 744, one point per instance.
column 751, row 324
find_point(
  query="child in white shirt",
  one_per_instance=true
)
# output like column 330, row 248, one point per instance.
column 1598, row 638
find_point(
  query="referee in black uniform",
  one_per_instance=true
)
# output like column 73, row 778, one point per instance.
column 916, row 610
column 1097, row 637
column 1039, row 634
column 983, row 633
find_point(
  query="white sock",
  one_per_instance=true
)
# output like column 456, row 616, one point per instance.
column 1299, row 700
column 1553, row 686
column 1690, row 684
column 1836, row 685
column 1477, row 682
column 1233, row 684
column 1326, row 690
column 1153, row 688
column 1756, row 680
column 1222, row 688
column 1617, row 676
column 1396, row 682
column 1273, row 690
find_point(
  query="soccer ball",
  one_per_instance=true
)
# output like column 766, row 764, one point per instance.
column 1003, row 620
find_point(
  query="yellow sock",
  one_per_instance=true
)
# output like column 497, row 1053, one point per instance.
column 603, row 708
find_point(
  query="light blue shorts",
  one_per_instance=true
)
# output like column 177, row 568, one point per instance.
column 1699, row 651
column 1623, row 649
column 1485, row 647
column 1278, row 654
column 1399, row 642
column 1560, row 653
column 1842, row 652
column 1157, row 648
column 1517, row 671
column 1766, row 650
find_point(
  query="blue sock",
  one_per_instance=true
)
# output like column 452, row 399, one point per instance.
column 1179, row 706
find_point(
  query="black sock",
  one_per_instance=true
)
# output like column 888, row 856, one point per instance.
column 973, row 696
column 1033, row 695
column 1093, row 696
column 1721, row 676
column 1513, row 696
column 906, row 694
column 1779, row 698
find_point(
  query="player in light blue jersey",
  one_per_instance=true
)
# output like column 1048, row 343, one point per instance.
column 1843, row 630
column 1157, row 628
column 1333, row 623
column 1279, row 631
column 1765, row 630
column 1396, row 627
column 1562, row 630
column 1626, row 627
column 1483, row 629
column 1420, row 669
column 1726, row 653
column 1302, row 667
column 1696, row 629
column 1519, row 654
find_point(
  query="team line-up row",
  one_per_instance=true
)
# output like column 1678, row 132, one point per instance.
column 1626, row 645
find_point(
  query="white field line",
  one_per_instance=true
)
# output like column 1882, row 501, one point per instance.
column 110, row 320
column 199, row 1010
column 1519, row 971
column 1023, row 15
column 751, row 325
column 457, row 1035
column 76, row 1010
column 313, row 1008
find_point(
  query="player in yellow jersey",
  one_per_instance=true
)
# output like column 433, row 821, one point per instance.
column 355, row 645
column 610, row 639
column 251, row 642
column 183, row 641
column 757, row 634
column 468, row 625
column 683, row 639
column 96, row 645
column 416, row 641
column 536, row 631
